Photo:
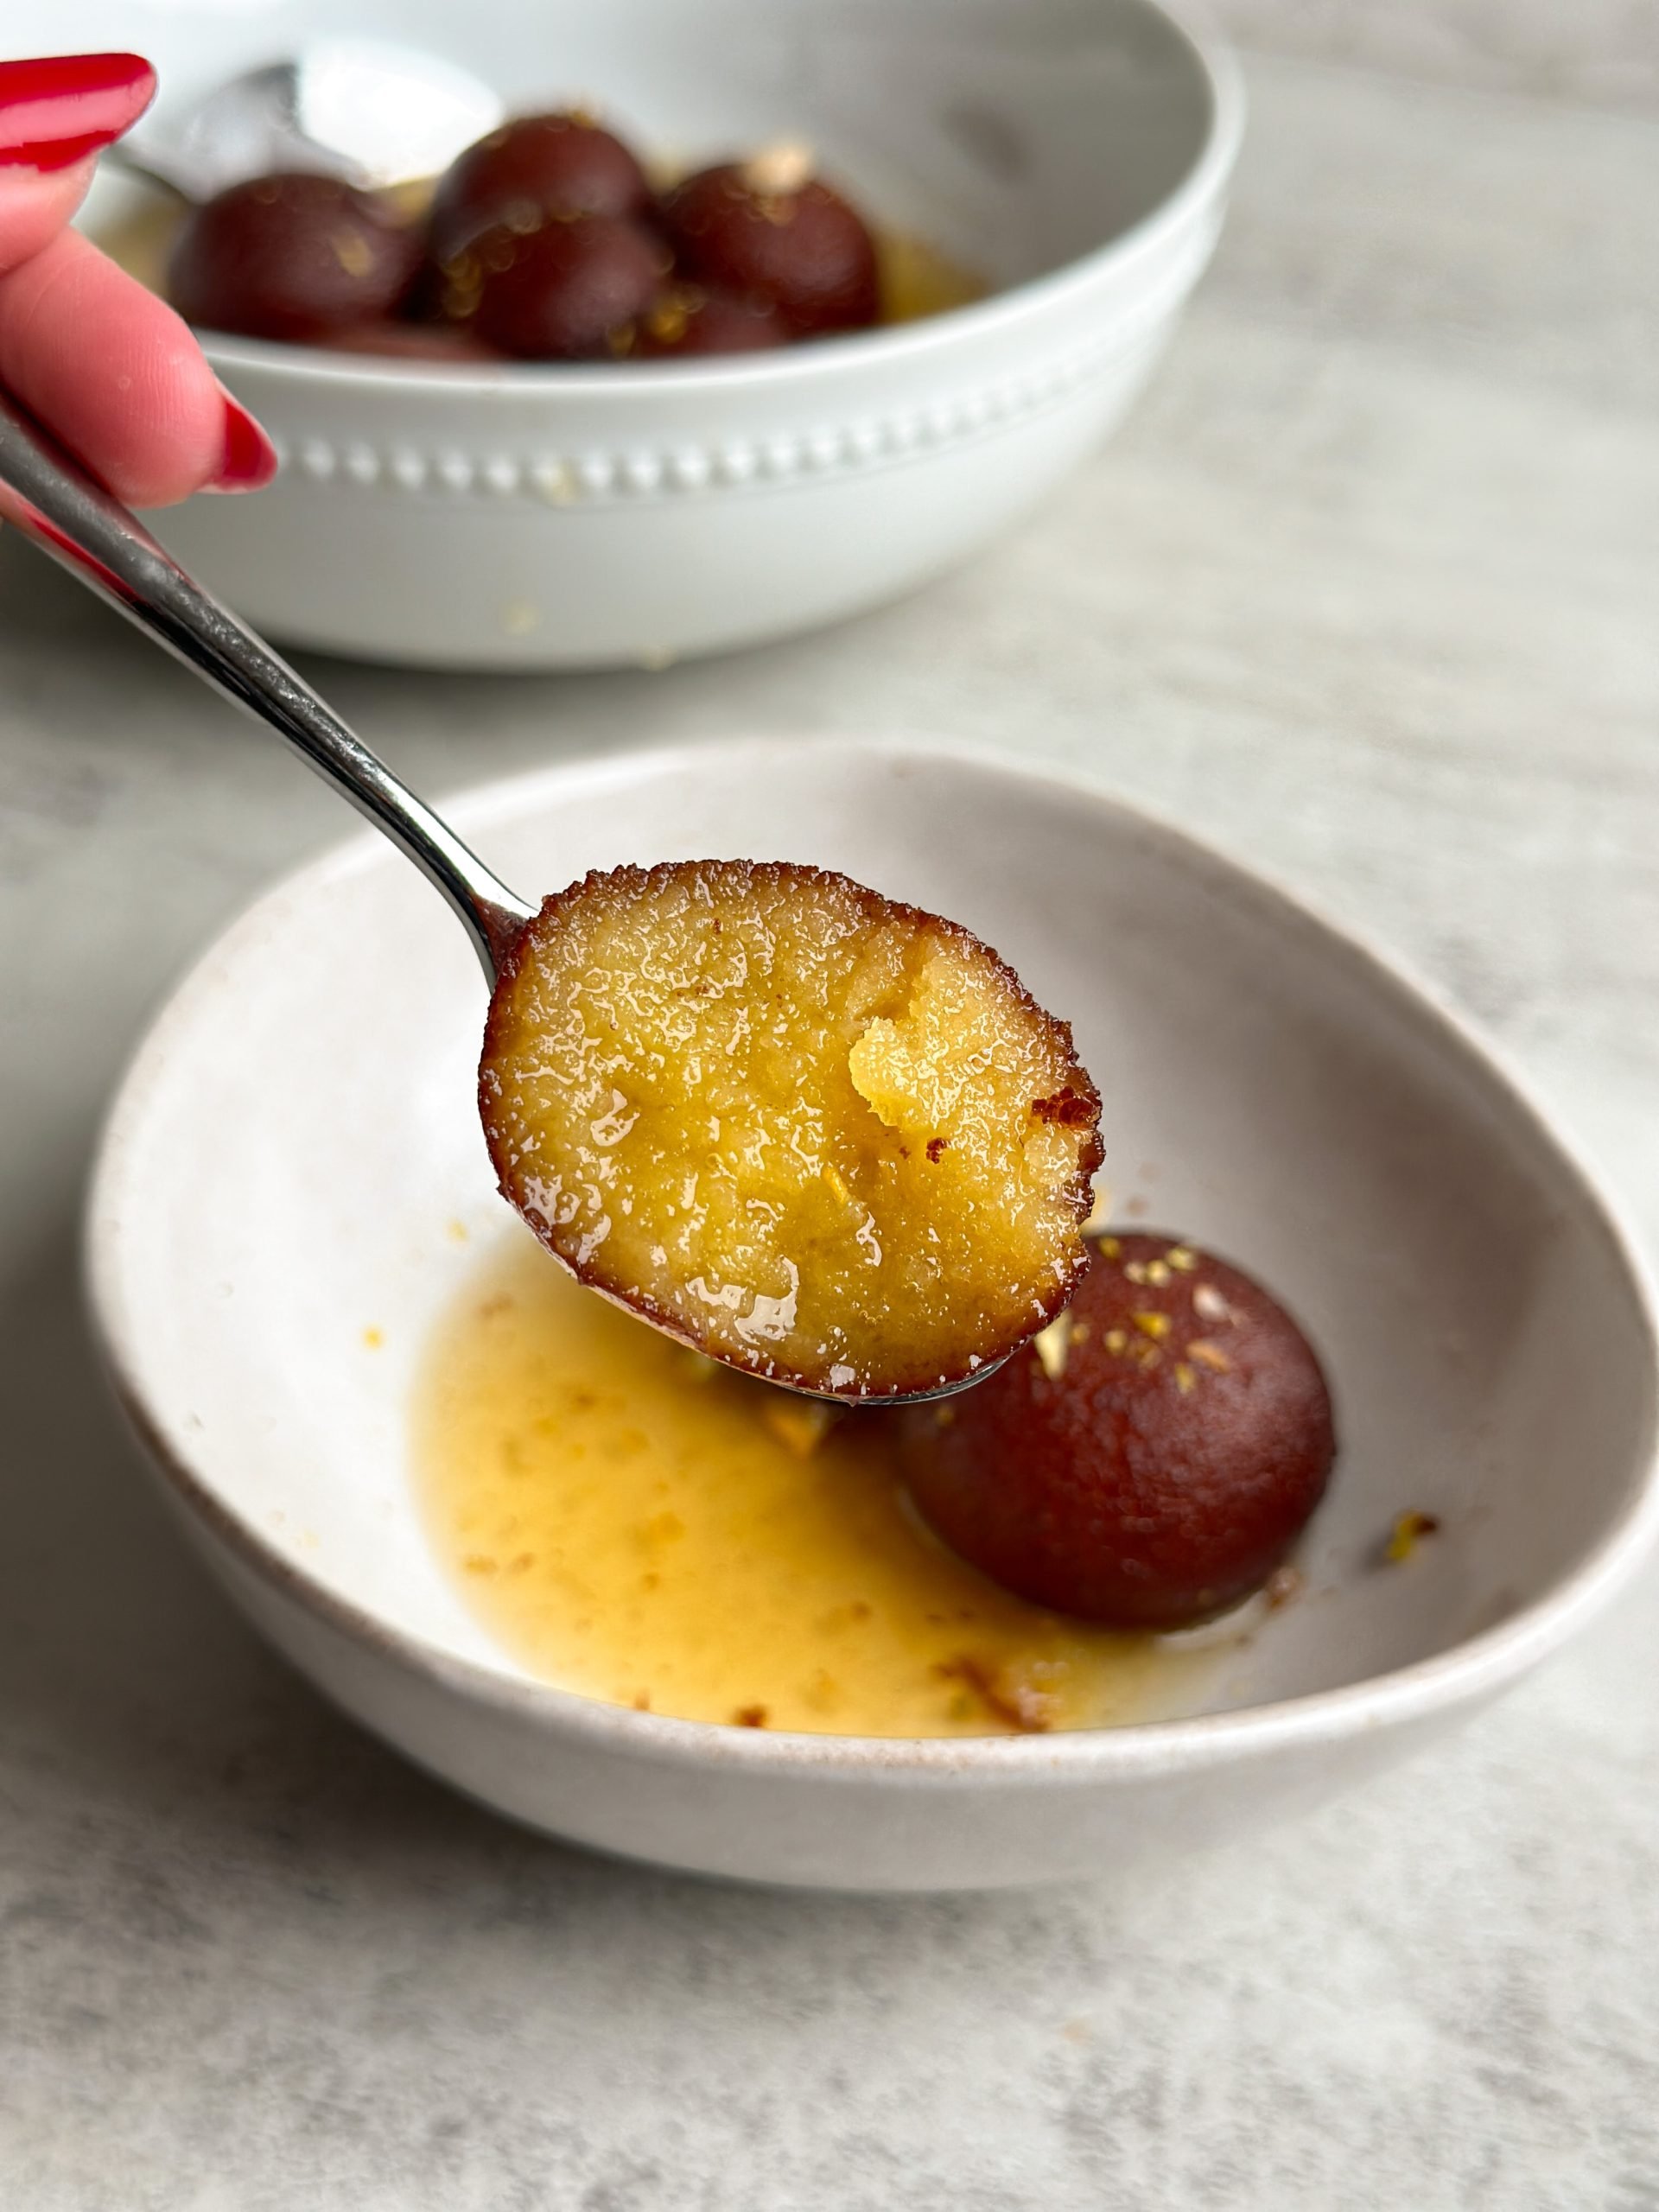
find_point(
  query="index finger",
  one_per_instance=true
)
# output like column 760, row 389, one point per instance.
column 56, row 114
column 111, row 369
column 34, row 206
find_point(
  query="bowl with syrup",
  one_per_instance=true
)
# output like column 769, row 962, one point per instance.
column 671, row 1612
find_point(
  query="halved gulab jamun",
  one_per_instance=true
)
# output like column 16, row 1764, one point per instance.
column 824, row 1137
column 1150, row 1460
column 563, row 289
column 563, row 163
column 293, row 258
column 770, row 228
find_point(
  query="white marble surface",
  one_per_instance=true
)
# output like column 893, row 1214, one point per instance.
column 1368, row 592
column 1601, row 51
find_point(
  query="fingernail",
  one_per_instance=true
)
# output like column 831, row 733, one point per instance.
column 249, row 458
column 55, row 111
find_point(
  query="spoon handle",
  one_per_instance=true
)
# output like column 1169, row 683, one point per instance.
column 53, row 500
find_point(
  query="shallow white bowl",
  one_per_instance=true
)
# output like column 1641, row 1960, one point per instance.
column 297, row 1135
column 1077, row 152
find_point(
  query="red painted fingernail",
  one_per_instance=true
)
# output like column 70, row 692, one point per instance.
column 250, row 459
column 54, row 111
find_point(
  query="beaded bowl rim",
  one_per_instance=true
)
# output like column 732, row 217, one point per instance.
column 585, row 473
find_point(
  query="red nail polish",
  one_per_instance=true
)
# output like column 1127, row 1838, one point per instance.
column 57, row 111
column 249, row 458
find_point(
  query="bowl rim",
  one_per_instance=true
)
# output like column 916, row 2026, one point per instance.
column 1466, row 1672
column 1204, row 181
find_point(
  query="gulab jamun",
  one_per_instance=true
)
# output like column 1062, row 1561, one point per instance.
column 446, row 344
column 562, row 289
column 293, row 258
column 556, row 164
column 1150, row 1460
column 820, row 1135
column 689, row 321
column 769, row 227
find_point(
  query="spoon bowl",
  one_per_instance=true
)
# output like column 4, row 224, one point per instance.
column 371, row 112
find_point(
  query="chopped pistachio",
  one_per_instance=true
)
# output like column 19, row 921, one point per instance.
column 782, row 166
column 1408, row 1531
column 802, row 1424
column 1052, row 1345
column 1151, row 1323
column 1210, row 1356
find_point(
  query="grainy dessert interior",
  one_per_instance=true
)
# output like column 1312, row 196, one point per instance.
column 826, row 1137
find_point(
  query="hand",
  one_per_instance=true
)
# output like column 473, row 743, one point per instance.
column 101, row 361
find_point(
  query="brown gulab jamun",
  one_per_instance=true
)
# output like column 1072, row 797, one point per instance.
column 294, row 258
column 1150, row 1460
column 446, row 344
column 770, row 228
column 563, row 288
column 818, row 1134
column 536, row 165
column 689, row 321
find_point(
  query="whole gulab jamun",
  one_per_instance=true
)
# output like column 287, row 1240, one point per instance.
column 689, row 321
column 293, row 257
column 769, row 227
column 1150, row 1460
column 447, row 343
column 556, row 164
column 563, row 288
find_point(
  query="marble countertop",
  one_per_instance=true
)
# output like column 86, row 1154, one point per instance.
column 1366, row 592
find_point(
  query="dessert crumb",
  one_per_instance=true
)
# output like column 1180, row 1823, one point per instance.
column 1408, row 1531
column 1283, row 1587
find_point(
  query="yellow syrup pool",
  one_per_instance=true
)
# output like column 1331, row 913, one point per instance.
column 634, row 1524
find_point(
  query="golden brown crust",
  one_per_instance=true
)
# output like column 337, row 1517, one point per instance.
column 1075, row 1104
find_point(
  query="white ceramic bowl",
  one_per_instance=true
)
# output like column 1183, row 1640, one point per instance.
column 297, row 1134
column 1075, row 151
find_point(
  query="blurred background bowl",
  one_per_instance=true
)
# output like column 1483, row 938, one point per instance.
column 1073, row 153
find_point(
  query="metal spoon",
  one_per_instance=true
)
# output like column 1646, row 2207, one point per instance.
column 373, row 113
column 53, row 501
